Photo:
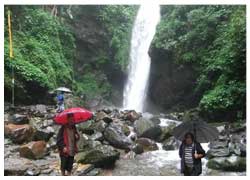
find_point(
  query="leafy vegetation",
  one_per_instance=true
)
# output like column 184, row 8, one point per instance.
column 213, row 40
column 43, row 51
column 118, row 20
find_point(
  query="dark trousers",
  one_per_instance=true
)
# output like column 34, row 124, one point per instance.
column 188, row 171
column 67, row 162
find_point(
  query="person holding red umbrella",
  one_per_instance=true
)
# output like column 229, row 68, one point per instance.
column 67, row 144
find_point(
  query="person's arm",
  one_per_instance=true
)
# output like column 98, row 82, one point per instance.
column 77, row 136
column 200, row 151
column 59, row 140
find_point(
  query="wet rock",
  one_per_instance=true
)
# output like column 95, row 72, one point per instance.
column 19, row 119
column 218, row 144
column 103, row 116
column 97, row 136
column 173, row 116
column 115, row 136
column 138, row 149
column 238, row 149
column 33, row 150
column 99, row 126
column 125, row 129
column 100, row 156
column 94, row 172
column 232, row 163
column 86, row 127
column 155, row 120
column 147, row 144
column 171, row 144
column 39, row 110
column 223, row 138
column 221, row 129
column 19, row 133
column 166, row 131
column 131, row 115
column 83, row 142
column 83, row 169
column 146, row 128
column 115, row 114
column 43, row 134
column 32, row 172
column 107, row 110
column 238, row 128
column 15, row 166
column 221, row 152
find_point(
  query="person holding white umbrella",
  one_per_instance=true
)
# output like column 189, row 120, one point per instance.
column 60, row 98
column 60, row 102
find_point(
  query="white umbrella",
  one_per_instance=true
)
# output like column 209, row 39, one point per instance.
column 64, row 89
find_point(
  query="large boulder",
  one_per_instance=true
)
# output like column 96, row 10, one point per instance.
column 116, row 137
column 83, row 169
column 166, row 131
column 43, row 134
column 232, row 163
column 220, row 152
column 131, row 115
column 138, row 149
column 218, row 144
column 147, row 144
column 19, row 119
column 171, row 144
column 100, row 156
column 97, row 136
column 99, row 126
column 16, row 166
column 19, row 133
column 33, row 150
column 238, row 148
column 146, row 128
column 86, row 127
column 103, row 116
column 155, row 120
column 39, row 110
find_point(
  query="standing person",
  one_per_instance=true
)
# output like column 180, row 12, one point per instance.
column 60, row 102
column 67, row 144
column 191, row 153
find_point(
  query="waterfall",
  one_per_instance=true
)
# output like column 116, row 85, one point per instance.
column 144, row 28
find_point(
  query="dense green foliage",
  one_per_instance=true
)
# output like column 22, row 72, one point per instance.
column 213, row 40
column 107, row 40
column 43, row 51
column 118, row 20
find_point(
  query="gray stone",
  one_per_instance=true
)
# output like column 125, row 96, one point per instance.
column 218, row 144
column 19, row 119
column 147, row 144
column 221, row 152
column 97, row 136
column 138, row 149
column 232, row 163
column 115, row 136
column 86, row 127
column 171, row 144
column 100, row 156
column 146, row 128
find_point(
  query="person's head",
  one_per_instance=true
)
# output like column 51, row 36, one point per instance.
column 70, row 117
column 61, row 92
column 189, row 138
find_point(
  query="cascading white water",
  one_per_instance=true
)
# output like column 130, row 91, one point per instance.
column 143, row 32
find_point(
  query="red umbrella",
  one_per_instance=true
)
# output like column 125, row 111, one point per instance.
column 79, row 115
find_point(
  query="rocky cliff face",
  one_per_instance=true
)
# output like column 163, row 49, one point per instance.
column 94, row 54
column 171, row 86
